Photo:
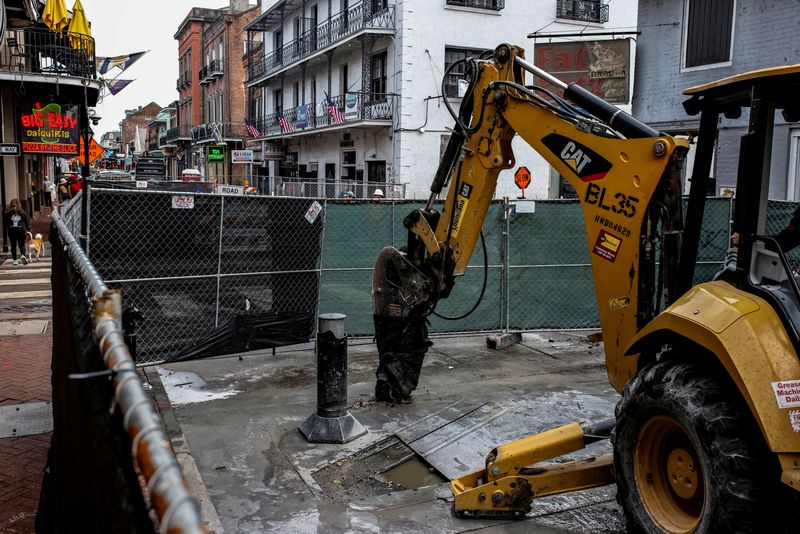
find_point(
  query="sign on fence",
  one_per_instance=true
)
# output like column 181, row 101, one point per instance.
column 237, row 190
column 241, row 156
column 183, row 202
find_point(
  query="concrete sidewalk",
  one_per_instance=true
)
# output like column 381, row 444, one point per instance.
column 25, row 389
column 239, row 420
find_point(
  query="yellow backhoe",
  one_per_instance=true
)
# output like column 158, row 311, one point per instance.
column 707, row 434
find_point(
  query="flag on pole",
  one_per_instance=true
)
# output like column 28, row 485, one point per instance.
column 215, row 134
column 251, row 129
column 115, row 86
column 333, row 111
column 286, row 125
column 105, row 64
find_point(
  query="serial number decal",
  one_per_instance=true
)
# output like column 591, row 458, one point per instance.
column 621, row 203
column 611, row 225
column 619, row 303
column 607, row 246
column 462, row 201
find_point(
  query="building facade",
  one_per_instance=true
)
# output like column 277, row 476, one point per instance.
column 683, row 44
column 133, row 130
column 211, row 102
column 46, row 78
column 347, row 95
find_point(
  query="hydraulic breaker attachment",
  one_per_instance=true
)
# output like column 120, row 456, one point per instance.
column 512, row 478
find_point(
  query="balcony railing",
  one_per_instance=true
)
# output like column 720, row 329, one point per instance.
column 184, row 81
column 583, row 10
column 211, row 71
column 162, row 140
column 358, row 17
column 495, row 5
column 218, row 131
column 179, row 133
column 369, row 106
column 41, row 51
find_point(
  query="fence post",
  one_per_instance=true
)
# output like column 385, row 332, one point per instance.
column 505, row 338
column 219, row 255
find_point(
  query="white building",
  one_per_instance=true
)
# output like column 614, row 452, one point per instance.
column 380, row 63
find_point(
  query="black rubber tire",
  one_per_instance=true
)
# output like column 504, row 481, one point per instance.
column 737, row 471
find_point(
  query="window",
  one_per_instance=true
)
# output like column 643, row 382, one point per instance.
column 296, row 93
column 277, row 96
column 313, row 95
column 583, row 10
column 709, row 32
column 344, row 79
column 495, row 5
column 456, row 76
column 379, row 5
column 220, row 56
column 378, row 78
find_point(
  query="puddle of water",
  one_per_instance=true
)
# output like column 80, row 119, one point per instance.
column 412, row 474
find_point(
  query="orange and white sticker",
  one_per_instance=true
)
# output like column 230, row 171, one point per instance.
column 787, row 393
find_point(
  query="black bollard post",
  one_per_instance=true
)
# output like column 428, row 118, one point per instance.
column 332, row 423
column 130, row 316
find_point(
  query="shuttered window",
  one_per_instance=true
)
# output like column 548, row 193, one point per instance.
column 709, row 31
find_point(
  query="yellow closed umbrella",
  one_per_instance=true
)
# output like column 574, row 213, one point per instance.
column 55, row 15
column 79, row 28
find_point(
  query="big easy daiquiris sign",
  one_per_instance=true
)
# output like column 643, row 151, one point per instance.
column 49, row 128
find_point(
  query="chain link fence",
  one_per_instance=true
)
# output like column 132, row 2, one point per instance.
column 211, row 277
column 206, row 270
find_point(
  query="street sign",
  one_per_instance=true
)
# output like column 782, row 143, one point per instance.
column 96, row 151
column 152, row 167
column 522, row 178
column 9, row 149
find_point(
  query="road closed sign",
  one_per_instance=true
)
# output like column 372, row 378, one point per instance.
column 236, row 190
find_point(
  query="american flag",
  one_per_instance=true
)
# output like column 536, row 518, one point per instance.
column 334, row 112
column 286, row 125
column 252, row 130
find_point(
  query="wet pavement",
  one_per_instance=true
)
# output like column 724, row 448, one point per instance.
column 26, row 418
column 238, row 420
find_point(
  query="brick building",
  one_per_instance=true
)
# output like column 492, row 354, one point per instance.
column 133, row 129
column 211, row 104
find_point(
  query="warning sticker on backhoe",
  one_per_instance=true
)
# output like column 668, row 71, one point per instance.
column 787, row 393
column 794, row 419
column 607, row 246
column 462, row 201
column 619, row 303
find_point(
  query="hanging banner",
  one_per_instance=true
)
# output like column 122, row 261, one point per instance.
column 302, row 116
column 351, row 106
column 49, row 128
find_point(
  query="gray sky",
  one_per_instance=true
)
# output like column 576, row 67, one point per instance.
column 125, row 27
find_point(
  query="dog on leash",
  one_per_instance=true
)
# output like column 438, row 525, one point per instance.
column 35, row 245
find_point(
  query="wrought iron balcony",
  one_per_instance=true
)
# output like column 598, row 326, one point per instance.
column 211, row 71
column 184, row 81
column 41, row 51
column 179, row 133
column 218, row 132
column 368, row 107
column 342, row 25
column 583, row 10
column 495, row 5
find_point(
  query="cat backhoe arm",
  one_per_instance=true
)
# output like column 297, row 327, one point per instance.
column 615, row 163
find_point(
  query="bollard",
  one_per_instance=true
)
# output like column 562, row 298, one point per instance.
column 130, row 316
column 331, row 423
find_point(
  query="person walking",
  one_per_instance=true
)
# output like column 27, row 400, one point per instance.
column 16, row 220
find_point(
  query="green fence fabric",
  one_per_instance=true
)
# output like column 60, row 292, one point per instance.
column 539, row 269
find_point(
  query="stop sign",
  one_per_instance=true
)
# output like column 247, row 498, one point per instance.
column 522, row 177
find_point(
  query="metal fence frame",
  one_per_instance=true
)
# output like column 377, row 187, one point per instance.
column 151, row 453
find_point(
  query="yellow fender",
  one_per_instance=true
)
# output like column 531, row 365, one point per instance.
column 745, row 334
